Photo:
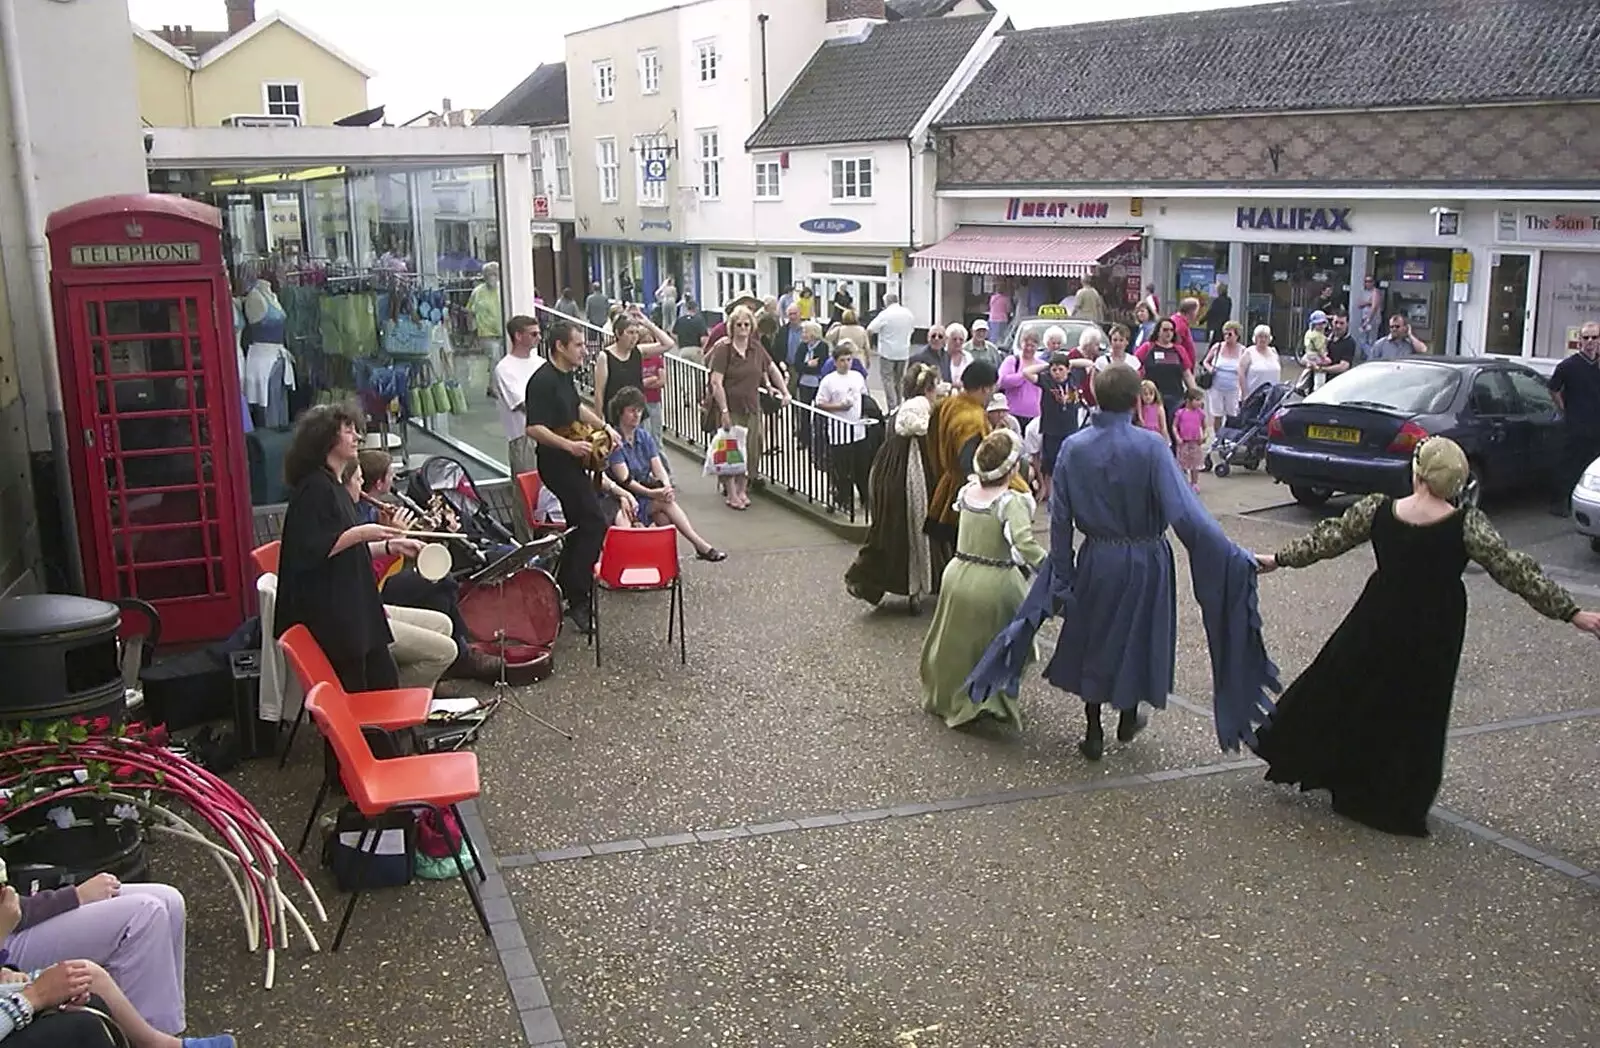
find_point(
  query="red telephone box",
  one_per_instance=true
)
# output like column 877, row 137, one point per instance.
column 149, row 373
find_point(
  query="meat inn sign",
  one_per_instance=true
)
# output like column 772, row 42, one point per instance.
column 135, row 254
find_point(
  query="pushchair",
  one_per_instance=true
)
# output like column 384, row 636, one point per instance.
column 444, row 490
column 1242, row 440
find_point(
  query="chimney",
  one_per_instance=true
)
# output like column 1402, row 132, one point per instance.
column 848, row 19
column 241, row 14
column 446, row 108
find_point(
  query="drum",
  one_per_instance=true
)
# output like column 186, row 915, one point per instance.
column 434, row 562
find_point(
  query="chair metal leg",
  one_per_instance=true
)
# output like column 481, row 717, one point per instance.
column 683, row 627
column 472, row 848
column 288, row 743
column 316, row 807
column 472, row 889
column 363, row 858
column 594, row 623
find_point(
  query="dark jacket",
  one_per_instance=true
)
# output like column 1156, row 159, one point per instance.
column 937, row 358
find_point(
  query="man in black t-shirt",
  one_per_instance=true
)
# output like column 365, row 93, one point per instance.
column 1343, row 353
column 1576, row 386
column 551, row 405
column 690, row 330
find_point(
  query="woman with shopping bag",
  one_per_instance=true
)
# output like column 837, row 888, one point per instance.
column 739, row 364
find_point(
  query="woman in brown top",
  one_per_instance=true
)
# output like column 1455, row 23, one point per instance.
column 848, row 328
column 738, row 365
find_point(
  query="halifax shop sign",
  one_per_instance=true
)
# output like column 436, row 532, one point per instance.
column 1311, row 219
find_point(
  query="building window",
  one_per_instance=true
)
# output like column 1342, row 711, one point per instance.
column 649, row 72
column 563, row 166
column 536, row 159
column 605, row 158
column 735, row 276
column 710, row 165
column 605, row 81
column 852, row 178
column 650, row 152
column 706, row 61
column 283, row 99
column 769, row 180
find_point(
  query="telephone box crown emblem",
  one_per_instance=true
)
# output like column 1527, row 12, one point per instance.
column 134, row 230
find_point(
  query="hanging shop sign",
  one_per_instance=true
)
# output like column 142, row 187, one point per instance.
column 655, row 169
column 541, row 207
column 1570, row 224
column 830, row 226
column 1306, row 219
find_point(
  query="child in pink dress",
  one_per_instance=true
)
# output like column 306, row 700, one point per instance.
column 1151, row 414
column 1189, row 422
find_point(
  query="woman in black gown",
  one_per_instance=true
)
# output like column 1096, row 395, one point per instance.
column 1367, row 720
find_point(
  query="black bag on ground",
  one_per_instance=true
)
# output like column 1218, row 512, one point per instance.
column 390, row 867
column 189, row 689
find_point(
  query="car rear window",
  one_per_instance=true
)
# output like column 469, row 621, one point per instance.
column 1409, row 389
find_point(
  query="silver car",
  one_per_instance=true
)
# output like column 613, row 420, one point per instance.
column 1586, row 505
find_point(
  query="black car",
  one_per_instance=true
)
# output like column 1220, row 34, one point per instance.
column 1357, row 433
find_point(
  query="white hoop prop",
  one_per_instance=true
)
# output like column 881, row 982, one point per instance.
column 434, row 562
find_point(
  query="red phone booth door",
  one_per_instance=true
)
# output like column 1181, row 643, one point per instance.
column 153, row 454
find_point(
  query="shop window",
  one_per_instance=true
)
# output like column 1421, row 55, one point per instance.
column 710, row 164
column 650, row 159
column 769, row 180
column 851, row 178
column 536, row 159
column 735, row 276
column 605, row 154
column 283, row 98
column 650, row 72
column 562, row 150
column 605, row 81
column 866, row 282
column 706, row 59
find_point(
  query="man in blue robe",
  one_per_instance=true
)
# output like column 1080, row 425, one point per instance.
column 1120, row 488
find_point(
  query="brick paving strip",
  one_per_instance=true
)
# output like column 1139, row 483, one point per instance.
column 527, row 987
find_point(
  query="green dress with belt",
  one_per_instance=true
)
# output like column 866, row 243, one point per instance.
column 980, row 593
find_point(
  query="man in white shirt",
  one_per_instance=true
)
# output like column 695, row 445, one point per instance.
column 511, row 377
column 842, row 394
column 892, row 327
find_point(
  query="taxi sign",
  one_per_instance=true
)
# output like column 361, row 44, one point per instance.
column 1054, row 312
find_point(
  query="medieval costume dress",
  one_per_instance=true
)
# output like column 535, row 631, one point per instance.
column 1115, row 594
column 1367, row 719
column 896, row 557
column 958, row 425
column 981, row 590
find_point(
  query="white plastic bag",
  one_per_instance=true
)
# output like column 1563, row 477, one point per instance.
column 725, row 456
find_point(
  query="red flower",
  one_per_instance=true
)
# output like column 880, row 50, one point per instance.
column 158, row 735
column 100, row 724
column 135, row 729
column 5, row 802
column 125, row 772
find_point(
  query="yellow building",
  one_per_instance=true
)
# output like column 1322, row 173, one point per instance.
column 271, row 67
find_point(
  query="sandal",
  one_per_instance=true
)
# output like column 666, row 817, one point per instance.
column 712, row 554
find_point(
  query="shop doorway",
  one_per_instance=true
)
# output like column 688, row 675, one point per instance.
column 1288, row 282
column 1510, row 329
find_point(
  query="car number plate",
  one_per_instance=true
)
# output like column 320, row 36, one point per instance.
column 1339, row 434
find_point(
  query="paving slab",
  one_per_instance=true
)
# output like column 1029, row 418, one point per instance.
column 1541, row 783
column 1200, row 912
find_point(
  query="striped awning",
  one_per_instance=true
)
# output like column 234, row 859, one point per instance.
column 1031, row 252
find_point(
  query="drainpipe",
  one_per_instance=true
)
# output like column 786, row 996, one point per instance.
column 39, row 272
column 911, row 226
column 762, row 19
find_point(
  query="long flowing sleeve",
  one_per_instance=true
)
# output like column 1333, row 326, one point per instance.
column 1243, row 676
column 1332, row 537
column 1000, row 669
column 1019, row 530
column 1514, row 570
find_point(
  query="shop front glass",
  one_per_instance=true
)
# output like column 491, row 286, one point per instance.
column 374, row 285
column 1416, row 283
column 1288, row 282
column 1200, row 268
column 1569, row 297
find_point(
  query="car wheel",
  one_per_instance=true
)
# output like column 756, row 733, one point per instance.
column 1221, row 469
column 1472, row 490
column 1308, row 496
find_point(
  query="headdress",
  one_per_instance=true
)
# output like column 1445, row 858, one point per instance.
column 989, row 476
column 1440, row 463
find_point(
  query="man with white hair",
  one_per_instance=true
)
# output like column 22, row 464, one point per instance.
column 955, row 350
column 933, row 354
column 892, row 328
column 980, row 348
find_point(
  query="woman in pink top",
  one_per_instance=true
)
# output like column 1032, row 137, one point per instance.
column 999, row 313
column 1017, row 374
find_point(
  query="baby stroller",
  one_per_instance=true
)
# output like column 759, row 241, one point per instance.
column 1242, row 440
column 445, row 491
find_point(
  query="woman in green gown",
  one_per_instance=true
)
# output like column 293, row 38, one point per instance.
column 982, row 586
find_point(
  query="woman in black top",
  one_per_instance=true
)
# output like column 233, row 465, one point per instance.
column 1167, row 364
column 325, row 579
column 621, row 365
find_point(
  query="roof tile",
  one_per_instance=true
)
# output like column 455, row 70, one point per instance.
column 539, row 101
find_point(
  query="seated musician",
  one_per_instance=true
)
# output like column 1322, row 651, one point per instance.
column 561, row 423
column 430, row 639
column 637, row 466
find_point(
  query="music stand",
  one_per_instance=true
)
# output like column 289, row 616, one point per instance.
column 524, row 558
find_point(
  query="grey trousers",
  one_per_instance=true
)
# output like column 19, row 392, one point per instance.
column 894, row 376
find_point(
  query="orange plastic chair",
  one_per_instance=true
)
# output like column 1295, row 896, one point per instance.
column 435, row 782
column 265, row 558
column 395, row 710
column 640, row 560
column 530, row 485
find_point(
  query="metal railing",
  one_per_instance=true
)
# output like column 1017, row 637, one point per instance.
column 805, row 450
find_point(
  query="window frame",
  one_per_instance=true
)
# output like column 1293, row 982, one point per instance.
column 649, row 194
column 609, row 67
column 561, row 147
column 710, row 165
column 613, row 165
column 652, row 56
column 536, row 163
column 299, row 95
column 776, row 183
column 843, row 165
column 707, row 72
